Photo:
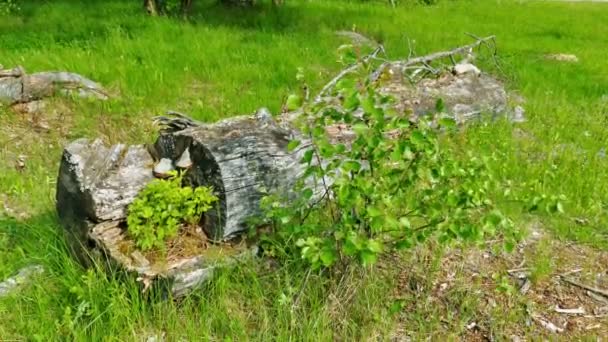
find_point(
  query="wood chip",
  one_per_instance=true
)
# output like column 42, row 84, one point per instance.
column 548, row 325
column 576, row 270
column 576, row 311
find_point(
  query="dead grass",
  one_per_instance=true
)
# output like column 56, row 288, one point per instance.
column 479, row 294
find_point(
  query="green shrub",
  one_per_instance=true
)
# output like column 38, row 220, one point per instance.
column 162, row 207
column 9, row 7
column 394, row 186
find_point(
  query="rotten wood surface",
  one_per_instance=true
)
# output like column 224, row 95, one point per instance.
column 182, row 273
column 17, row 86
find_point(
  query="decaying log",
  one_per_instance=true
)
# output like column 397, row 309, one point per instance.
column 16, row 86
column 183, row 274
column 242, row 158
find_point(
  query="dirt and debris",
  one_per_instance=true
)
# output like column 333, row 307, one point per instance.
column 529, row 293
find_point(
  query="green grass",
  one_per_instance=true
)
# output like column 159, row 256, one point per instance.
column 225, row 62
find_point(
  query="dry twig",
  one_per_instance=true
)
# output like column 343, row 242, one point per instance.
column 548, row 325
column 424, row 61
column 584, row 286
column 347, row 71
column 576, row 311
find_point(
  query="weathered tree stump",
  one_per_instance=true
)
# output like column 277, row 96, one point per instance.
column 240, row 158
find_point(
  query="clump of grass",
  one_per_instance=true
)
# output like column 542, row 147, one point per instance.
column 231, row 61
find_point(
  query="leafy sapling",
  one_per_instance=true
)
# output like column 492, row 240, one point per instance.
column 392, row 184
column 160, row 209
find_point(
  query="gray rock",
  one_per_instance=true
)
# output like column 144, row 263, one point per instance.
column 464, row 68
column 184, row 161
column 22, row 277
column 518, row 114
column 163, row 167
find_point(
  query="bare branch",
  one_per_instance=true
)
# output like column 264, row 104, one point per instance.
column 586, row 287
column 425, row 60
column 327, row 88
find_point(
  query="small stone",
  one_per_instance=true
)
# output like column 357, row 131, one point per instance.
column 20, row 162
column 464, row 68
column 563, row 57
column 263, row 114
column 518, row 114
column 184, row 161
column 22, row 277
column 163, row 167
column 156, row 338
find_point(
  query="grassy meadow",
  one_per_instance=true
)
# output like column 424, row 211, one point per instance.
column 223, row 62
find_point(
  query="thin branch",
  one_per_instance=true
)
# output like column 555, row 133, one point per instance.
column 586, row 287
column 347, row 71
column 425, row 60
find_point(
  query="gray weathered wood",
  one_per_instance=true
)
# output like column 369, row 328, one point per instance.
column 183, row 273
column 96, row 183
column 16, row 86
column 242, row 159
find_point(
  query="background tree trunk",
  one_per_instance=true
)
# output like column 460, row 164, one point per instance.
column 150, row 7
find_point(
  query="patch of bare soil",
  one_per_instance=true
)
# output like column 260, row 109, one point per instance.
column 546, row 288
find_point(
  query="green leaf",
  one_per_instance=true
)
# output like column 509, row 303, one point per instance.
column 328, row 256
column 404, row 244
column 307, row 193
column 293, row 145
column 351, row 102
column 368, row 257
column 352, row 244
column 560, row 207
column 439, row 105
column 351, row 165
column 360, row 128
column 447, row 122
column 368, row 104
column 405, row 222
column 374, row 212
column 307, row 158
column 374, row 246
column 418, row 138
column 293, row 102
